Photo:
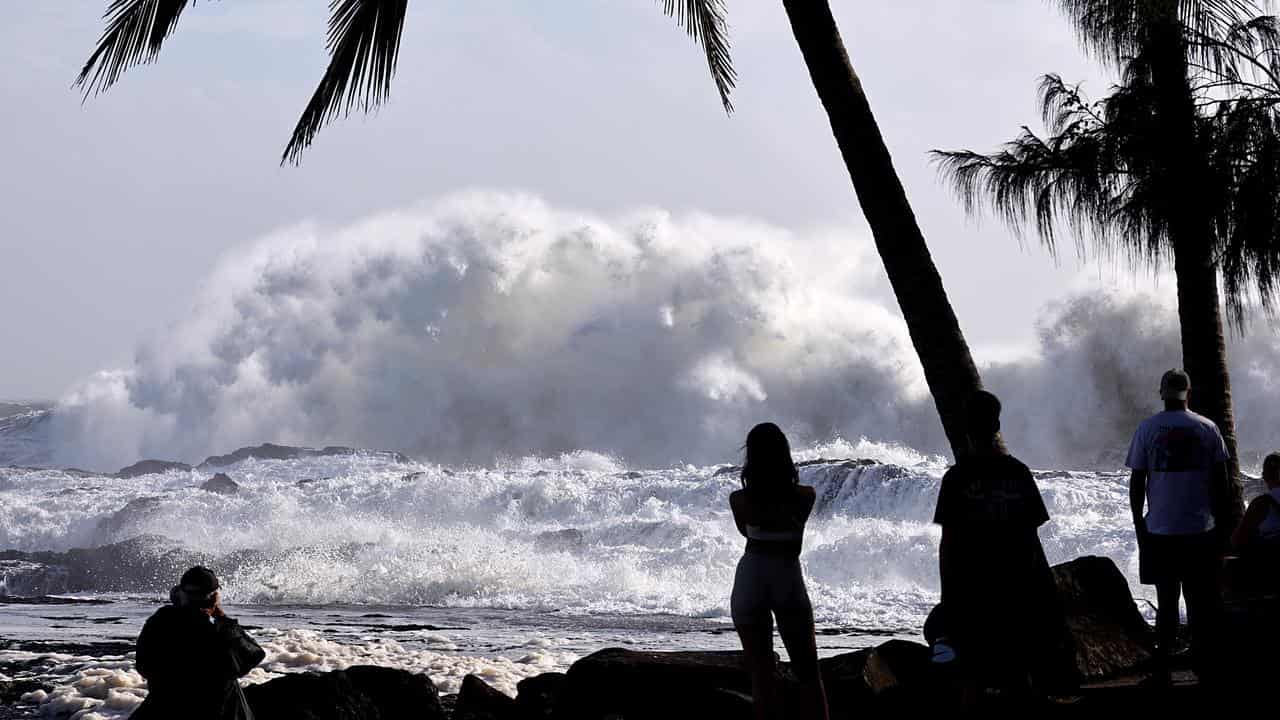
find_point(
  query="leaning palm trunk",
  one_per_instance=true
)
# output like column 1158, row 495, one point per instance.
column 949, row 369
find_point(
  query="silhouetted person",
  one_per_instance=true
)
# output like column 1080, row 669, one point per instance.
column 1257, row 538
column 1179, row 468
column 770, row 511
column 1000, row 610
column 193, row 655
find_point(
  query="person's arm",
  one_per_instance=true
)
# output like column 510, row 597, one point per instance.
column 147, row 659
column 808, row 498
column 1226, row 514
column 1137, row 498
column 243, row 651
column 1249, row 524
column 946, row 564
column 737, row 501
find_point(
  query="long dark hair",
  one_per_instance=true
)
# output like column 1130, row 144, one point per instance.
column 768, row 468
column 1271, row 467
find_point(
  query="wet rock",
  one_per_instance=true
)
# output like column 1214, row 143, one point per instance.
column 147, row 563
column 478, row 701
column 151, row 467
column 357, row 693
column 221, row 484
column 567, row 539
column 536, row 696
column 133, row 512
column 845, row 462
column 1110, row 633
column 271, row 451
column 664, row 686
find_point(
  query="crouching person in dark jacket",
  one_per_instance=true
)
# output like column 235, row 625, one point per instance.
column 193, row 655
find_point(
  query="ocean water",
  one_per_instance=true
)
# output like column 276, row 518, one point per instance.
column 571, row 389
column 506, row 571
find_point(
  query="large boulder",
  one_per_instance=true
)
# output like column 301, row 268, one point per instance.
column 477, row 700
column 1111, row 636
column 271, row 451
column 221, row 484
column 632, row 685
column 146, row 563
column 357, row 693
column 151, row 467
column 536, row 696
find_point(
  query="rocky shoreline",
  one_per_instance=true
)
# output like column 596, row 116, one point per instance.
column 1113, row 642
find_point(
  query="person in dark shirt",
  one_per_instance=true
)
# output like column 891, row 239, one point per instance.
column 1000, row 607
column 193, row 655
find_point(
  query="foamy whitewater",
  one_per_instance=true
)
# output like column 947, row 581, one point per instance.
column 569, row 394
column 615, row 555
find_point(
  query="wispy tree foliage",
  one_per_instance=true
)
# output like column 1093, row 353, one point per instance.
column 1096, row 171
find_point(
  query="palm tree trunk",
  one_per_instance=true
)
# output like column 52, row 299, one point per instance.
column 1204, row 352
column 948, row 367
column 1204, row 347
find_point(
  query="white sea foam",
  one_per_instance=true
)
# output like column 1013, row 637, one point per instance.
column 576, row 533
column 110, row 688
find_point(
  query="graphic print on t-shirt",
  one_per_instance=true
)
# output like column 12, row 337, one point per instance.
column 1178, row 449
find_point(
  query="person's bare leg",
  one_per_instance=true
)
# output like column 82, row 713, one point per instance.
column 798, row 637
column 757, row 647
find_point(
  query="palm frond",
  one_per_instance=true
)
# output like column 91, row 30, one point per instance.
column 1115, row 30
column 1078, row 178
column 135, row 31
column 363, row 44
column 1245, row 168
column 704, row 20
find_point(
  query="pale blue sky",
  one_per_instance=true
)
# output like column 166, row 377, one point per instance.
column 111, row 213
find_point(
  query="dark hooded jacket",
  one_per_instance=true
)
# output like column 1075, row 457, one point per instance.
column 192, row 664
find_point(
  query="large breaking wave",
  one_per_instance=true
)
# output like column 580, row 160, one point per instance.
column 493, row 326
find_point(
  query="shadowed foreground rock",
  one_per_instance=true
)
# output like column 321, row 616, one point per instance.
column 667, row 685
column 1110, row 633
column 1112, row 641
column 357, row 693
column 478, row 701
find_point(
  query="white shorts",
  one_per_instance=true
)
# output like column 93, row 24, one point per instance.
column 765, row 585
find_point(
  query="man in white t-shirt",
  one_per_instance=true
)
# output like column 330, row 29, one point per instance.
column 1179, row 468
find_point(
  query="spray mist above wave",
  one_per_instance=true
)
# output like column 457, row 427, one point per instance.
column 492, row 326
column 488, row 326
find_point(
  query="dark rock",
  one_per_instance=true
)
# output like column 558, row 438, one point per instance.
column 478, row 701
column 567, row 539
column 727, row 470
column 1110, row 633
column 666, row 686
column 49, row 600
column 151, row 467
column 898, row 668
column 146, row 563
column 846, row 463
column 413, row 476
column 845, row 683
column 270, row 451
column 221, row 484
column 536, row 696
column 11, row 691
column 134, row 511
column 357, row 693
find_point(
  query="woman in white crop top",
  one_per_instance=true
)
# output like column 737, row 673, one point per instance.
column 770, row 511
